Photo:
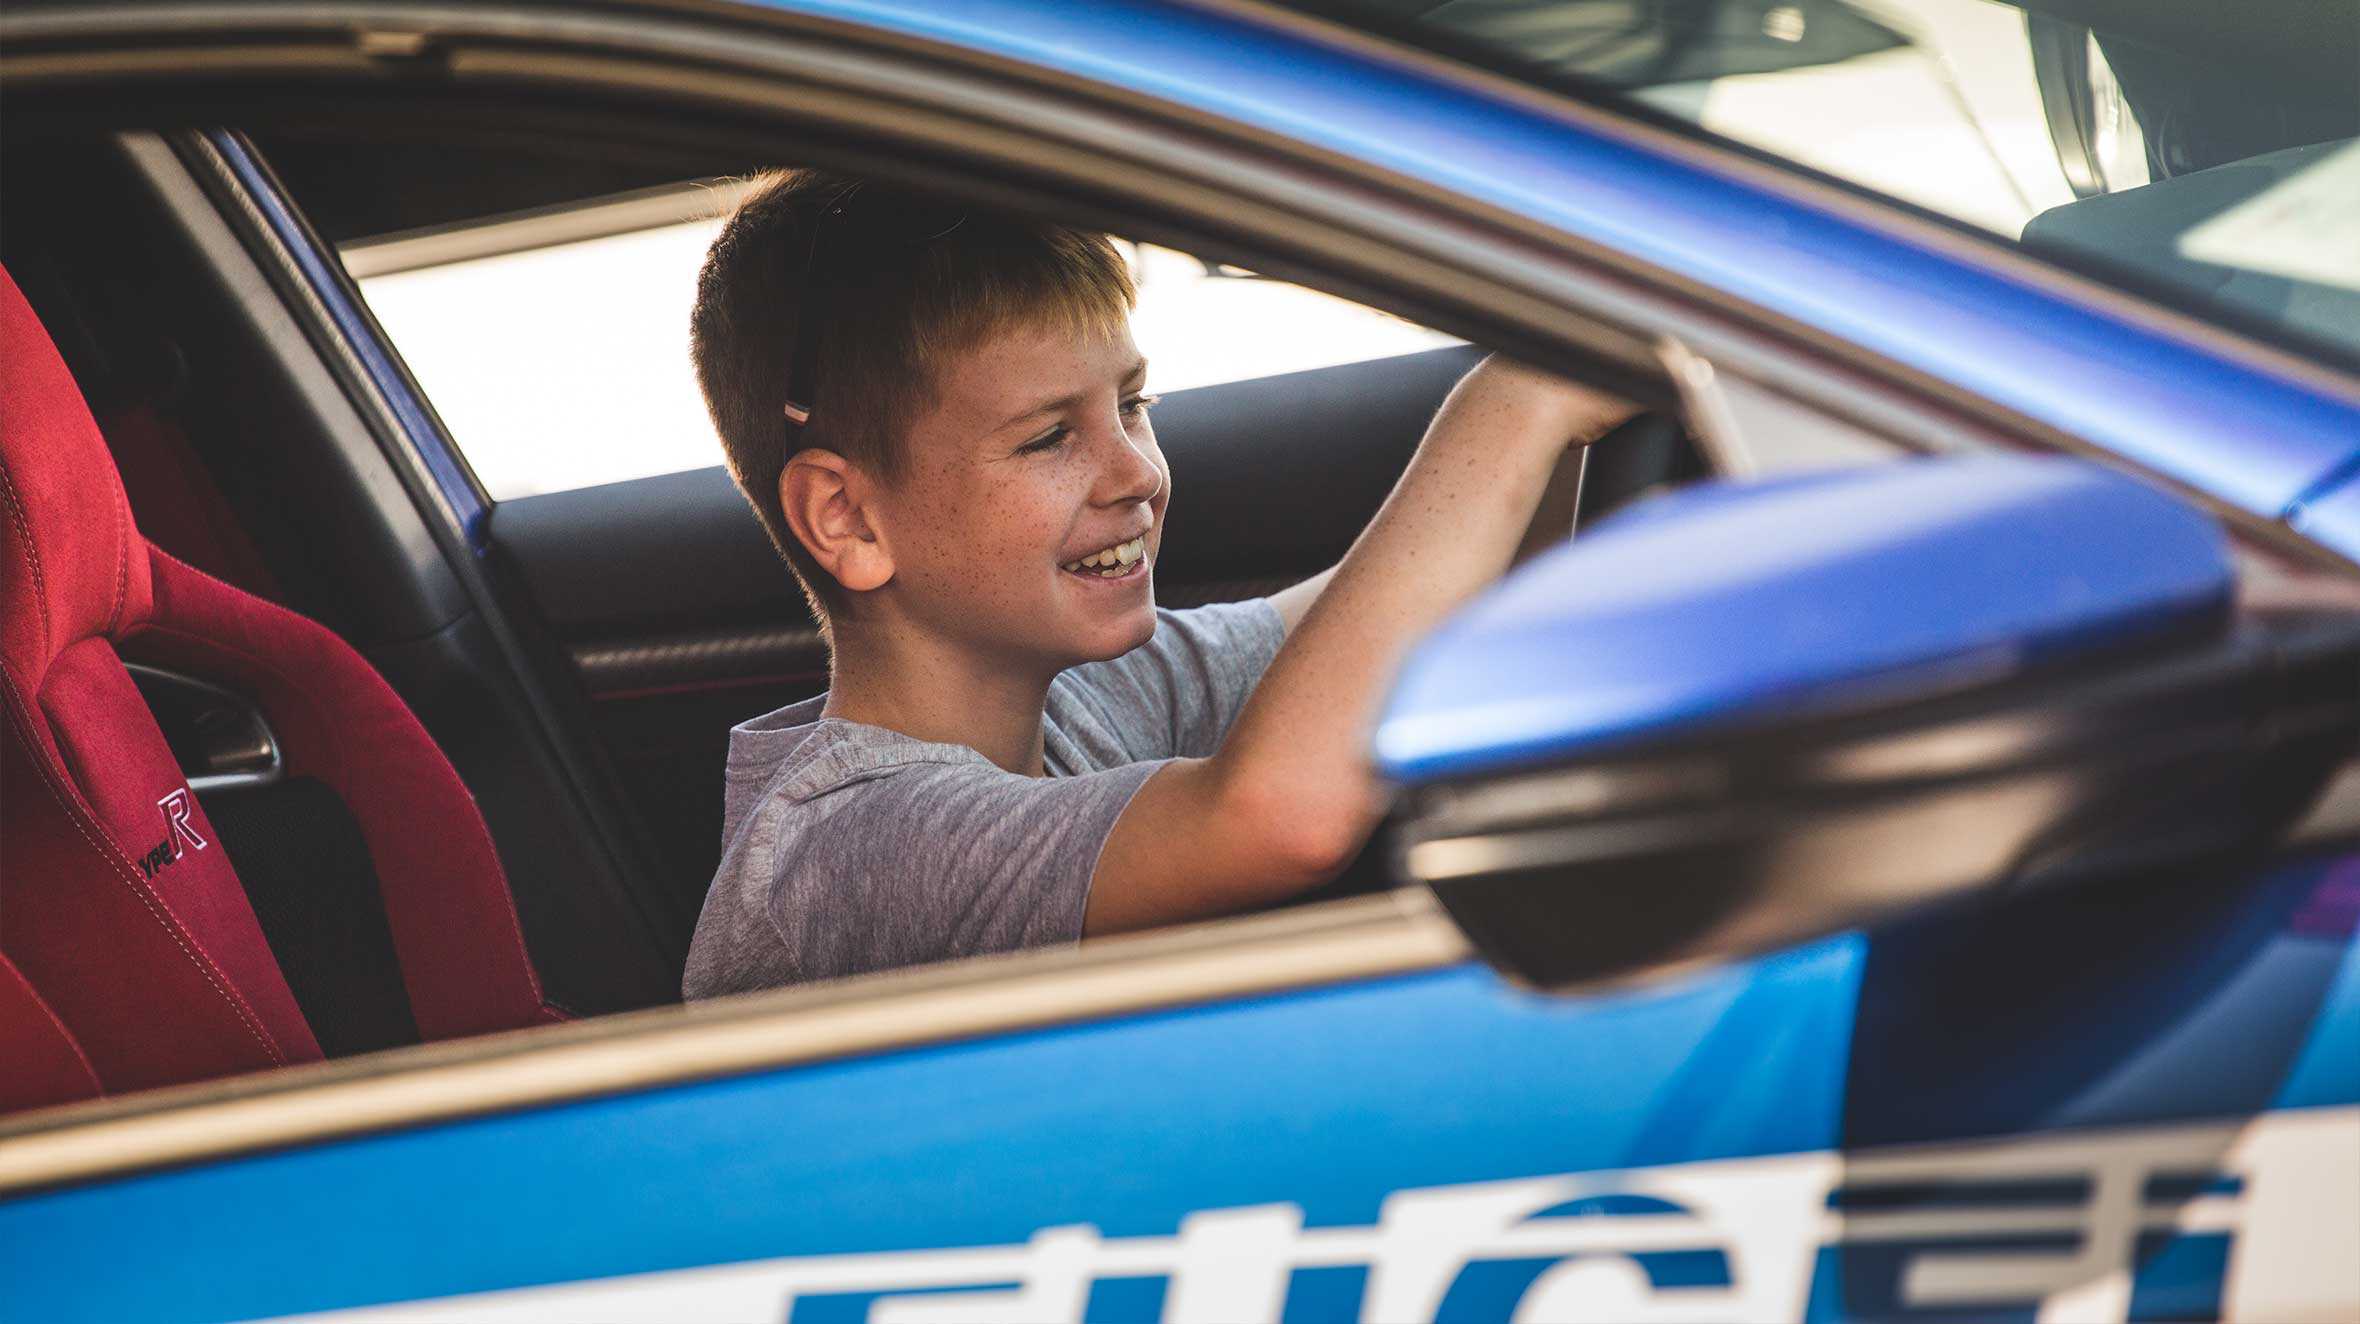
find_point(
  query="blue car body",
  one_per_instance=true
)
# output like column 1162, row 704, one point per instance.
column 2122, row 1104
column 1782, row 1138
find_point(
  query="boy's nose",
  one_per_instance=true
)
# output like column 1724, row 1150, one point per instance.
column 1133, row 473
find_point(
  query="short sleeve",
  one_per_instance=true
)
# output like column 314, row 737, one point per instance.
column 932, row 861
column 1174, row 696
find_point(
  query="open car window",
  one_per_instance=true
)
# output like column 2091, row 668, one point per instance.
column 2202, row 154
column 554, row 342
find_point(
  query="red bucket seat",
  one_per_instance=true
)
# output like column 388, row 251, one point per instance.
column 375, row 911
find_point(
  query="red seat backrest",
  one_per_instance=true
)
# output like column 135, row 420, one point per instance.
column 45, row 1065
column 119, row 903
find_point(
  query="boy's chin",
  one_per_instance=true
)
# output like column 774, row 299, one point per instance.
column 1113, row 638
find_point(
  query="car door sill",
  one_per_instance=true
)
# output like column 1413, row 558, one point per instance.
column 1360, row 938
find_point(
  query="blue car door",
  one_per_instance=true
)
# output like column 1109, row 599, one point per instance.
column 2126, row 1104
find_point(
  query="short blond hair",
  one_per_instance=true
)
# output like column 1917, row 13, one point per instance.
column 893, row 321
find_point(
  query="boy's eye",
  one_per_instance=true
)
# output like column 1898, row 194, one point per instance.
column 1133, row 407
column 1047, row 441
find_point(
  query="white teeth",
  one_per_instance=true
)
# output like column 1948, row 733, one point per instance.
column 1111, row 562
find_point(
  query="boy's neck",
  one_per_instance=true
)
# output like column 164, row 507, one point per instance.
column 929, row 689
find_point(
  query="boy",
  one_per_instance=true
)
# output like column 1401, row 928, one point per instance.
column 941, row 420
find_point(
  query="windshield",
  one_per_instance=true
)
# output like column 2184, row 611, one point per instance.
column 2199, row 151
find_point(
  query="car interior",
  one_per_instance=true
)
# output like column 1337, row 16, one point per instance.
column 461, row 759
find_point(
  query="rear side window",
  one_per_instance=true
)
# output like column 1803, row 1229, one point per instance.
column 555, row 343
column 2204, row 154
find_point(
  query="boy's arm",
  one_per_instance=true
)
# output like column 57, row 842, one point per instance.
column 1290, row 797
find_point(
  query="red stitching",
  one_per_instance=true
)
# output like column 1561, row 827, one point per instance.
column 41, row 1005
column 122, row 867
column 122, row 508
column 24, row 533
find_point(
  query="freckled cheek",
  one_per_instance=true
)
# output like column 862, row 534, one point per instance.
column 1007, row 537
column 950, row 542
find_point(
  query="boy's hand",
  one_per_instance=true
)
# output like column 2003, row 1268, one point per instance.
column 1581, row 414
column 1290, row 798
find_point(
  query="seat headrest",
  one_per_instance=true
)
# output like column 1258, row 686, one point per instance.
column 72, row 566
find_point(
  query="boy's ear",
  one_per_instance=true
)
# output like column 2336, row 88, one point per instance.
column 824, row 498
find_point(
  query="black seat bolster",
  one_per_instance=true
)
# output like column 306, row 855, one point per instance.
column 299, row 852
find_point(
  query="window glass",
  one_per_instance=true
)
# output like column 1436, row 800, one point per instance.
column 2200, row 152
column 555, row 345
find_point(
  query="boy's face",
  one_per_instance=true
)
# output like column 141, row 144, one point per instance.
column 1037, row 457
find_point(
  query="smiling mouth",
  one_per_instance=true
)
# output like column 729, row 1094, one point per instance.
column 1116, row 562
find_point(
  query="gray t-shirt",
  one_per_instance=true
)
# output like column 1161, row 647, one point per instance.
column 848, row 848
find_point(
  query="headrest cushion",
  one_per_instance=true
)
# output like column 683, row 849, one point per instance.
column 72, row 567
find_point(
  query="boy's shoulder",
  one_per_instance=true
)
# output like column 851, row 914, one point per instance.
column 1173, row 696
column 798, row 752
column 1099, row 715
column 863, row 850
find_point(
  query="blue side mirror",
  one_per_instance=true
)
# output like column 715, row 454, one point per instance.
column 1743, row 715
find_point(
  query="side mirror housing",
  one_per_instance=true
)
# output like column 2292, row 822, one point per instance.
column 1746, row 715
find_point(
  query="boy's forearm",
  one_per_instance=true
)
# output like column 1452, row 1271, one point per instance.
column 1450, row 527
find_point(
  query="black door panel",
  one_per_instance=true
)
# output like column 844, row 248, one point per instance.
column 679, row 551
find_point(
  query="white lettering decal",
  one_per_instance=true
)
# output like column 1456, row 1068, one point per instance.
column 177, row 807
column 1935, row 1228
